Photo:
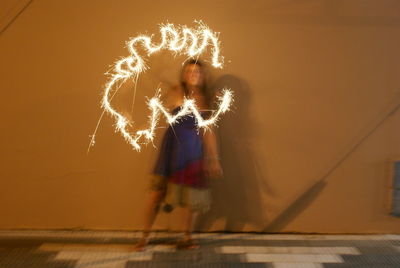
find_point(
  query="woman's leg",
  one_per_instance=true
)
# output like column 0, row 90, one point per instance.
column 152, row 209
column 190, row 220
column 150, row 213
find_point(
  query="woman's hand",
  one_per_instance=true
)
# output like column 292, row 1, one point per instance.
column 213, row 168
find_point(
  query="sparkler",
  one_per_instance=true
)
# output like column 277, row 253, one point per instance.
column 180, row 40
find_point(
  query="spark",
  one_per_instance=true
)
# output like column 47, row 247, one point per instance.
column 179, row 40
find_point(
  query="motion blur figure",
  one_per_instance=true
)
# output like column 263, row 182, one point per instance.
column 188, row 158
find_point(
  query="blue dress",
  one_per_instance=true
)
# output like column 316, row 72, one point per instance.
column 180, row 164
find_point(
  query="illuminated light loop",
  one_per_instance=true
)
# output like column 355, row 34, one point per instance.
column 180, row 40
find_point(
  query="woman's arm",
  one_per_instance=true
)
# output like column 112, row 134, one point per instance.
column 211, row 157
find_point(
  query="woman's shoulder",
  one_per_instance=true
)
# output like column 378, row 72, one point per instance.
column 176, row 89
column 173, row 97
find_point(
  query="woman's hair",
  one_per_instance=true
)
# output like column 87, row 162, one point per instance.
column 203, row 86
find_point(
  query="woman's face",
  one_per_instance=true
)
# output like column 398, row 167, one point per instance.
column 193, row 75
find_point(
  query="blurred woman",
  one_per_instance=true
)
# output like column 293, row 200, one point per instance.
column 188, row 158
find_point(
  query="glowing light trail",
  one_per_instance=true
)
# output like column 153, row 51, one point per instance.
column 180, row 40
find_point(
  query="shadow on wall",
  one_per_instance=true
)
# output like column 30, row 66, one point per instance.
column 295, row 208
column 237, row 197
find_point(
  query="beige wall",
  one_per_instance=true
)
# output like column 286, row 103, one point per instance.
column 306, row 149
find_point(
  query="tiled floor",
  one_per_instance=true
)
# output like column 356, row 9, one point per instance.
column 24, row 249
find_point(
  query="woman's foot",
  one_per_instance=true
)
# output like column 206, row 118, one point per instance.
column 141, row 244
column 187, row 243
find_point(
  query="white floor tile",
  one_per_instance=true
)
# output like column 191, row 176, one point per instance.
column 290, row 258
column 297, row 265
column 103, row 257
column 292, row 250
